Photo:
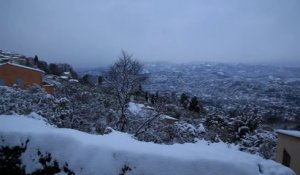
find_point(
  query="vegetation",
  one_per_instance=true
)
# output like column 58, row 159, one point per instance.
column 124, row 78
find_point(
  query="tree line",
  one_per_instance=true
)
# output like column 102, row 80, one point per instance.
column 52, row 68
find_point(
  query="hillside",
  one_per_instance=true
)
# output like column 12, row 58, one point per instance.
column 272, row 91
column 219, row 104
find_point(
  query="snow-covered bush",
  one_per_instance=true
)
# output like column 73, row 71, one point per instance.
column 261, row 142
column 93, row 109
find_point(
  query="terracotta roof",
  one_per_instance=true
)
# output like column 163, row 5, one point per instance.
column 26, row 67
column 293, row 133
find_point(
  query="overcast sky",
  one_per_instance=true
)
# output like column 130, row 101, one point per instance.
column 92, row 33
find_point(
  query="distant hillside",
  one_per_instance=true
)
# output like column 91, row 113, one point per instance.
column 93, row 71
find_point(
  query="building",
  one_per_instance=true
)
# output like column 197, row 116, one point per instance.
column 288, row 149
column 12, row 74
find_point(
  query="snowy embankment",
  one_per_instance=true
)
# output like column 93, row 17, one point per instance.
column 118, row 153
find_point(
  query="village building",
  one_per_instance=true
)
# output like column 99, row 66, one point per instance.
column 12, row 74
column 288, row 149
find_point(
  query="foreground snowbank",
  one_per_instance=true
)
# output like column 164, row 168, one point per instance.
column 117, row 153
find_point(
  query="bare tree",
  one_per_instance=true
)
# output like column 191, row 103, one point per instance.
column 124, row 77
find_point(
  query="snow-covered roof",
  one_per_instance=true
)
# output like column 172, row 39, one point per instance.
column 293, row 133
column 64, row 77
column 66, row 73
column 48, row 85
column 73, row 80
column 18, row 65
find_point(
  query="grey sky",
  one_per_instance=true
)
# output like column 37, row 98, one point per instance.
column 92, row 33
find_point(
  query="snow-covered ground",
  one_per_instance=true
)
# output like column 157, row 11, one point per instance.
column 118, row 153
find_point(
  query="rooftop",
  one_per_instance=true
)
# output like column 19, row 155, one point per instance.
column 293, row 133
column 26, row 67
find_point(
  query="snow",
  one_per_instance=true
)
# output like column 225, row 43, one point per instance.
column 201, row 128
column 47, row 85
column 73, row 80
column 135, row 107
column 108, row 154
column 66, row 73
column 64, row 77
column 221, row 73
column 289, row 132
column 37, row 117
column 168, row 117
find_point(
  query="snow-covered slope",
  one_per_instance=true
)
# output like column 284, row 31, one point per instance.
column 118, row 153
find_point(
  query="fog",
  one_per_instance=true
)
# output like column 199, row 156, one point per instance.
column 92, row 33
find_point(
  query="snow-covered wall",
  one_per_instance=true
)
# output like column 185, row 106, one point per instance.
column 118, row 153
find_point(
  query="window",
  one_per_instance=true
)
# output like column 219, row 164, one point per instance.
column 286, row 160
column 2, row 82
column 20, row 82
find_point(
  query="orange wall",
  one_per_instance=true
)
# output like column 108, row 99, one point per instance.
column 49, row 89
column 10, row 73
